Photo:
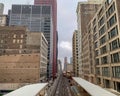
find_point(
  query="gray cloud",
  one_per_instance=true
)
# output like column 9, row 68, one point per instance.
column 66, row 25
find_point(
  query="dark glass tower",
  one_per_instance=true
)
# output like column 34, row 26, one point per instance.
column 52, row 66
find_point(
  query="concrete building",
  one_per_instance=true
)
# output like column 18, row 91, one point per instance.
column 38, row 18
column 65, row 64
column 105, row 30
column 12, row 40
column 69, row 67
column 85, row 12
column 37, row 43
column 1, row 8
column 26, row 51
column 75, row 53
column 59, row 66
column 3, row 20
column 71, row 60
column 99, row 40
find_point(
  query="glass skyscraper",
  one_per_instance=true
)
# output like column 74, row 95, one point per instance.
column 53, row 3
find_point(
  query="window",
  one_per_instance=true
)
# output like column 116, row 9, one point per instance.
column 96, row 44
column 110, row 10
column 115, row 58
column 26, row 9
column 112, row 21
column 94, row 30
column 20, row 51
column 97, row 61
column 21, row 35
column 109, row 1
column 103, row 40
column 95, row 37
column 98, row 71
column 101, row 21
column 18, row 41
column 104, row 60
column 20, row 46
column 96, row 52
column 94, row 21
column 21, row 41
column 1, row 41
column 114, row 44
column 103, row 49
column 46, row 10
column 105, row 71
column 14, row 36
column 113, row 32
column 116, row 71
column 14, row 40
column 102, row 30
column 101, row 12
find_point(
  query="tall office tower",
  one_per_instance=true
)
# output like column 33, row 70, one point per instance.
column 53, row 51
column 85, row 11
column 65, row 64
column 38, row 18
column 75, row 53
column 71, row 60
column 1, row 8
column 105, row 27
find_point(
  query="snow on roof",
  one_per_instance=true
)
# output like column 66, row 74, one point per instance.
column 28, row 90
column 92, row 89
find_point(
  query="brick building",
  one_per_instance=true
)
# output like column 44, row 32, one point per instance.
column 23, row 55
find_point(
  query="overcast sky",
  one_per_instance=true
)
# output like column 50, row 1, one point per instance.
column 66, row 22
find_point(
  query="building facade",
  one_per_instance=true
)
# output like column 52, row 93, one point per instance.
column 38, row 18
column 1, row 8
column 20, row 68
column 65, row 64
column 12, row 40
column 3, row 20
column 105, row 30
column 69, row 67
column 75, row 53
column 85, row 12
column 19, row 45
column 37, row 43
column 52, row 68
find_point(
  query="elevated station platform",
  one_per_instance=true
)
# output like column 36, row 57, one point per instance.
column 91, row 89
column 30, row 90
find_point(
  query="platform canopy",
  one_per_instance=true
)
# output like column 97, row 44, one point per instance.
column 28, row 90
column 92, row 89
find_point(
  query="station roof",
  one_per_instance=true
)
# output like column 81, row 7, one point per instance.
column 28, row 90
column 92, row 89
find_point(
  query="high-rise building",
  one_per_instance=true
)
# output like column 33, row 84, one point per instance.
column 3, row 20
column 1, row 8
column 23, row 56
column 59, row 66
column 105, row 30
column 71, row 60
column 53, row 63
column 17, row 41
column 39, row 18
column 75, row 53
column 85, row 12
column 100, row 43
column 65, row 64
